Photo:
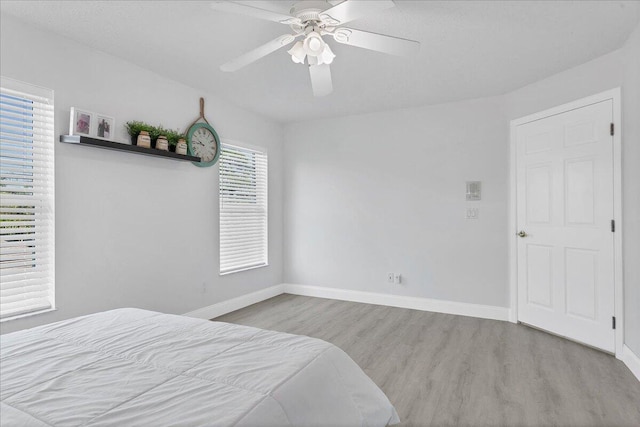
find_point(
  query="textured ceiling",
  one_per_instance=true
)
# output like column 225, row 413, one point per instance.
column 469, row 48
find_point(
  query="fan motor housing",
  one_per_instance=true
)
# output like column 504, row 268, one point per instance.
column 308, row 11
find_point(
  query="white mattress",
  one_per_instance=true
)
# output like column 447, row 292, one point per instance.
column 133, row 367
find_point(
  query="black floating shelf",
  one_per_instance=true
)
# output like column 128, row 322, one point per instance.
column 110, row 145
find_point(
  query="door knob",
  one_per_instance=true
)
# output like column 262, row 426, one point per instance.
column 522, row 234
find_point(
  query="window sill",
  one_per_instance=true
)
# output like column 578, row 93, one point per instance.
column 31, row 313
column 244, row 269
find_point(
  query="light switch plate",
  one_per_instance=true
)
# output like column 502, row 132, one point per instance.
column 473, row 193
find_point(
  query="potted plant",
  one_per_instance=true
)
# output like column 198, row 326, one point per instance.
column 173, row 136
column 135, row 127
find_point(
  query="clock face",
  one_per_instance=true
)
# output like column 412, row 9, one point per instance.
column 203, row 143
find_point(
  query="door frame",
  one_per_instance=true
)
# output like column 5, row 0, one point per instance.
column 614, row 96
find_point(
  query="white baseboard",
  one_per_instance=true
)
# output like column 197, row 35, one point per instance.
column 631, row 360
column 224, row 307
column 415, row 303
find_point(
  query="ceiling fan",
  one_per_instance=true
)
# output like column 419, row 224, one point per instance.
column 310, row 20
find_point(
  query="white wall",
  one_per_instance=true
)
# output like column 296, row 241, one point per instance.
column 631, row 189
column 385, row 192
column 618, row 69
column 363, row 195
column 371, row 194
column 134, row 230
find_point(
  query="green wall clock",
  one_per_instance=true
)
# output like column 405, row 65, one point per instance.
column 203, row 140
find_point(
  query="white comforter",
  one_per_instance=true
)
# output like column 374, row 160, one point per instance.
column 132, row 367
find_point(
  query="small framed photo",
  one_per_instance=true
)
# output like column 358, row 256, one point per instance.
column 81, row 122
column 104, row 127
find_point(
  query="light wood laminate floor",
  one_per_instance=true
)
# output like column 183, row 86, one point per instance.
column 446, row 370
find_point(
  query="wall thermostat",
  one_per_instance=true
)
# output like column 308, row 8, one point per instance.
column 473, row 191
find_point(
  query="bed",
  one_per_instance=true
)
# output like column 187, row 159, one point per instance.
column 131, row 367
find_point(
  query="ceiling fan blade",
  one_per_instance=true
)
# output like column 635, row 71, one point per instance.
column 321, row 79
column 257, row 53
column 353, row 9
column 255, row 12
column 377, row 42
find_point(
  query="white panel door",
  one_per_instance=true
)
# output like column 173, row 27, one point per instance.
column 564, row 213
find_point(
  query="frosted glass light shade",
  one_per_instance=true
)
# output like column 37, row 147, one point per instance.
column 313, row 49
column 297, row 53
column 327, row 55
column 313, row 44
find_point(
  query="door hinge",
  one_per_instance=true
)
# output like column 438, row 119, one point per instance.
column 613, row 322
column 613, row 225
column 612, row 129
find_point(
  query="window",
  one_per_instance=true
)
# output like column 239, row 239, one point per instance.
column 243, row 208
column 26, row 199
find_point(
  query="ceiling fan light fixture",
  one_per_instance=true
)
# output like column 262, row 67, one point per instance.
column 297, row 53
column 313, row 44
column 296, row 60
column 310, row 20
column 327, row 55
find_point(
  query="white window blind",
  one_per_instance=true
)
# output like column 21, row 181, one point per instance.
column 243, row 209
column 26, row 199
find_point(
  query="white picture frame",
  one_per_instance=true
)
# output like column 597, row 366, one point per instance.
column 104, row 127
column 81, row 122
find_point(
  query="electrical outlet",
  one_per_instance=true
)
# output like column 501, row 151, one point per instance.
column 397, row 278
column 390, row 277
column 472, row 213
